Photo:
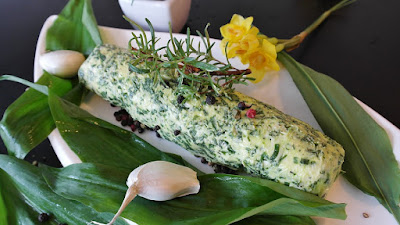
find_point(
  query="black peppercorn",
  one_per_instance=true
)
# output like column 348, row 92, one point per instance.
column 140, row 130
column 43, row 217
column 177, row 132
column 136, row 123
column 203, row 160
column 156, row 128
column 180, row 99
column 130, row 121
column 158, row 134
column 210, row 100
column 242, row 105
column 118, row 117
column 124, row 122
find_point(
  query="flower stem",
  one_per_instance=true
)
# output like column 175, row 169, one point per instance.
column 295, row 41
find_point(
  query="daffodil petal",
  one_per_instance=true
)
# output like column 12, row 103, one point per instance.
column 237, row 19
column 247, row 23
column 257, row 74
column 254, row 30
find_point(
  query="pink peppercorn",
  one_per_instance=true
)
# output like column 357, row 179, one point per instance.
column 251, row 113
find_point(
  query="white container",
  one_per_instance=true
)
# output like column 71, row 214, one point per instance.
column 159, row 12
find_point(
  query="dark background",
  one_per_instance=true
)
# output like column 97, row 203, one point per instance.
column 358, row 46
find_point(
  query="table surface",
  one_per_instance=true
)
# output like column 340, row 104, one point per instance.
column 358, row 45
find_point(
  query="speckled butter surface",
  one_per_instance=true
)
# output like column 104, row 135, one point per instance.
column 272, row 145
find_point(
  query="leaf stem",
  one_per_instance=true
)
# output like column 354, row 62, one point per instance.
column 295, row 41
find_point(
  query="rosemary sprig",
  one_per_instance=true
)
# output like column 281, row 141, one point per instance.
column 194, row 71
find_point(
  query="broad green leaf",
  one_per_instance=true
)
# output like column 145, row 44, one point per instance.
column 369, row 162
column 276, row 220
column 27, row 121
column 223, row 199
column 27, row 195
column 3, row 210
column 74, row 29
column 17, row 211
column 98, row 141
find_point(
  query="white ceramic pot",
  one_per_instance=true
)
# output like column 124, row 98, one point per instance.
column 159, row 12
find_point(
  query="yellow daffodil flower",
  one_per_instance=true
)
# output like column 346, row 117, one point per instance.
column 248, row 42
column 261, row 60
column 237, row 28
column 241, row 39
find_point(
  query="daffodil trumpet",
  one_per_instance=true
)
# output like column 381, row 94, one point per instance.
column 243, row 40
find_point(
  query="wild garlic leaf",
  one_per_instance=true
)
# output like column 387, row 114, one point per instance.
column 26, row 194
column 236, row 197
column 74, row 29
column 28, row 121
column 276, row 220
column 369, row 163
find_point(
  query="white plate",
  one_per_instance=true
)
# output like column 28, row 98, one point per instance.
column 278, row 90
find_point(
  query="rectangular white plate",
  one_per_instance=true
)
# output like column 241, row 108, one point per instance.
column 276, row 89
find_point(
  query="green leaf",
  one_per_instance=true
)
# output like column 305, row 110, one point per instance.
column 98, row 141
column 74, row 29
column 223, row 199
column 27, row 121
column 369, row 162
column 3, row 209
column 40, row 88
column 201, row 65
column 16, row 210
column 26, row 194
column 276, row 220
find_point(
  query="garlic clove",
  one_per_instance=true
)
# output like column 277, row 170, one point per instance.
column 162, row 181
column 62, row 63
column 158, row 181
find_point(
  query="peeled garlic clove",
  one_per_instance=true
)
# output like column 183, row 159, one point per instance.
column 62, row 63
column 162, row 181
column 158, row 181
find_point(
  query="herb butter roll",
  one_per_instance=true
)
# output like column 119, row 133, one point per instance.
column 271, row 145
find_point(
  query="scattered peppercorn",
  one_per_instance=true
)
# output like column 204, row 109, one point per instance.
column 210, row 100
column 43, row 217
column 223, row 169
column 140, row 130
column 118, row 118
column 136, row 123
column 180, row 99
column 158, row 134
column 124, row 122
column 251, row 113
column 156, row 128
column 203, row 160
column 130, row 121
column 365, row 215
column 177, row 132
column 242, row 105
column 112, row 105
